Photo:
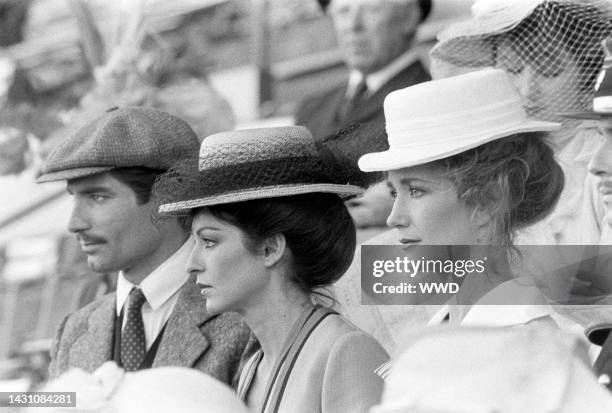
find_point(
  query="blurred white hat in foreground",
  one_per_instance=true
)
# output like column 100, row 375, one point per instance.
column 159, row 390
column 480, row 370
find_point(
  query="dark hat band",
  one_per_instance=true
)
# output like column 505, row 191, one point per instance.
column 248, row 164
column 285, row 171
column 184, row 187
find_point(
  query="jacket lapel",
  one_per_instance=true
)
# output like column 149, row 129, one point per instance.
column 327, row 115
column 411, row 75
column 183, row 342
column 94, row 347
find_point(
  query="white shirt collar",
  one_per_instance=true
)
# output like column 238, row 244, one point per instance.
column 496, row 308
column 162, row 283
column 376, row 80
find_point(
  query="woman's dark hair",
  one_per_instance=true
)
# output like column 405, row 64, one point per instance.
column 515, row 179
column 318, row 229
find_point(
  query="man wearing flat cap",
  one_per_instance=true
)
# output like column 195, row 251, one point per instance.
column 157, row 316
column 376, row 38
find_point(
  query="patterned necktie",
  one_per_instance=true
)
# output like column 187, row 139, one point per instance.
column 351, row 103
column 133, row 344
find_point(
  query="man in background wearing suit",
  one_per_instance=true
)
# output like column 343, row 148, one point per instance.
column 157, row 316
column 376, row 38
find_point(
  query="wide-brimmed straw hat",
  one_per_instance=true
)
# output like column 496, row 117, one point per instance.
column 437, row 119
column 532, row 369
column 253, row 164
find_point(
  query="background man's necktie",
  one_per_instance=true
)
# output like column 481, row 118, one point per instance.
column 352, row 102
column 133, row 345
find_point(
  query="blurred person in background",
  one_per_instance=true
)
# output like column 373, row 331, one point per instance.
column 157, row 316
column 551, row 50
column 376, row 38
column 110, row 389
column 19, row 135
column 13, row 16
column 600, row 167
column 13, row 151
column 138, row 67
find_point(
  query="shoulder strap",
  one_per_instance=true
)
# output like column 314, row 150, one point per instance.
column 247, row 375
column 282, row 368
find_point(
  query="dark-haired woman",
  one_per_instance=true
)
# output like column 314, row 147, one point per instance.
column 271, row 227
column 485, row 173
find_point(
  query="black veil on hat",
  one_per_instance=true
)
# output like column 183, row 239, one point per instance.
column 547, row 35
column 349, row 144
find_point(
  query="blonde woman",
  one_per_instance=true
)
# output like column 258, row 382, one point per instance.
column 476, row 176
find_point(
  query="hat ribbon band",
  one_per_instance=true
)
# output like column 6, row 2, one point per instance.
column 510, row 109
column 450, row 135
column 419, row 140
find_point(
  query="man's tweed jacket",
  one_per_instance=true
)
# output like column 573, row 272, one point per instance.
column 192, row 338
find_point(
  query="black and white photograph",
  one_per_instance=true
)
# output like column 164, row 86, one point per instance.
column 306, row 206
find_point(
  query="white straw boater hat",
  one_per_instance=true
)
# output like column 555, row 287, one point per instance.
column 437, row 119
column 253, row 164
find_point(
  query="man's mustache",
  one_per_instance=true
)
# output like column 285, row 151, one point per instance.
column 89, row 239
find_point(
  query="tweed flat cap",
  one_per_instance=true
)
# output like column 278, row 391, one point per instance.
column 121, row 137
